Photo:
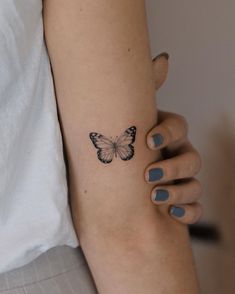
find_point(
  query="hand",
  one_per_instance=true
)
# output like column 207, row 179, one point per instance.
column 174, row 175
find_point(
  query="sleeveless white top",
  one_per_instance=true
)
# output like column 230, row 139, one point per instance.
column 34, row 211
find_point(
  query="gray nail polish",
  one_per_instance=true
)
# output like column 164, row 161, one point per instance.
column 161, row 195
column 155, row 174
column 158, row 139
column 177, row 211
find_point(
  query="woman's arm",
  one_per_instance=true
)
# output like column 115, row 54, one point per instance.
column 103, row 73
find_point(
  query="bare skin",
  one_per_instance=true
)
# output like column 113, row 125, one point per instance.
column 103, row 75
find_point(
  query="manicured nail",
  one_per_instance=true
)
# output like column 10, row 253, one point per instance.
column 155, row 174
column 161, row 195
column 164, row 54
column 177, row 211
column 157, row 139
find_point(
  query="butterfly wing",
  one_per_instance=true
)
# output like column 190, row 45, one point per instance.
column 105, row 156
column 105, row 147
column 124, row 143
column 125, row 152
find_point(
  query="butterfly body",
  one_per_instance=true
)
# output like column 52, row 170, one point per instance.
column 121, row 146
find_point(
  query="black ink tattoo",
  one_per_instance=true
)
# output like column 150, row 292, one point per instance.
column 121, row 146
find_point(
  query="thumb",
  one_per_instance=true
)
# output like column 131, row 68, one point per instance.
column 160, row 68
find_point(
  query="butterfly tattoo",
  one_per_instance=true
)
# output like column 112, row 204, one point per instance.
column 121, row 146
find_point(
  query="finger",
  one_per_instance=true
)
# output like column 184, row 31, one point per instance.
column 182, row 166
column 173, row 128
column 183, row 193
column 160, row 68
column 187, row 214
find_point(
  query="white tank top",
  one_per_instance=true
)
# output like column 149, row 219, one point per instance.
column 34, row 211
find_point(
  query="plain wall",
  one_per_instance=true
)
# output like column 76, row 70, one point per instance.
column 200, row 38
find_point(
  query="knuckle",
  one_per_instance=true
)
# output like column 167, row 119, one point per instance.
column 197, row 187
column 195, row 163
column 199, row 160
column 175, row 128
column 190, row 218
column 184, row 124
column 196, row 213
column 201, row 212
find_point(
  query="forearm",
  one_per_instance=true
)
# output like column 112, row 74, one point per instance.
column 102, row 87
column 104, row 83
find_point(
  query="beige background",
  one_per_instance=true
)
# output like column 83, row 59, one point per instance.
column 200, row 38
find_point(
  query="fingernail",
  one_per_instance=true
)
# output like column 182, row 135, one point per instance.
column 155, row 174
column 161, row 195
column 177, row 211
column 164, row 54
column 157, row 139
